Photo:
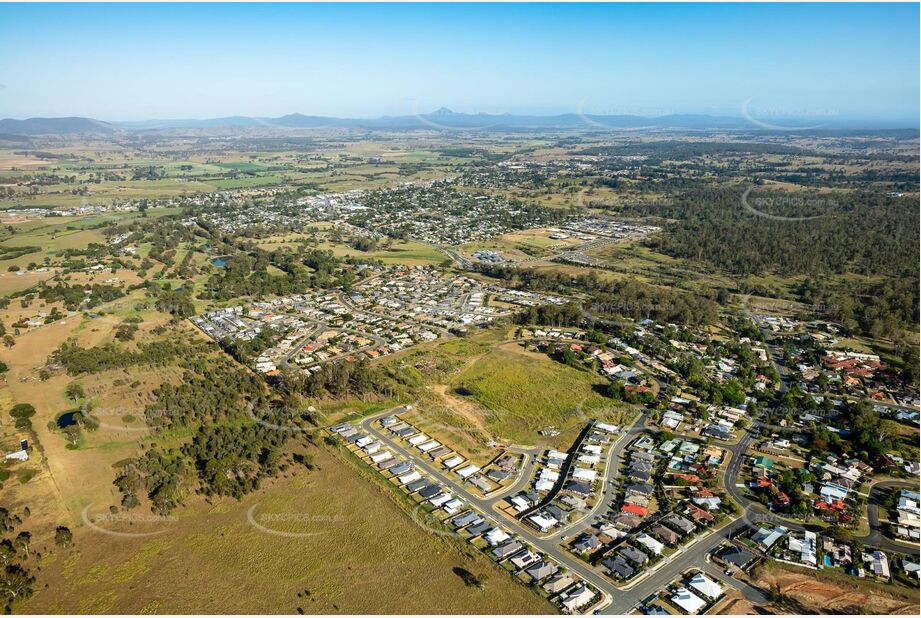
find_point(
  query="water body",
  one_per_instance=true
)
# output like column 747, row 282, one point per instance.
column 219, row 262
column 68, row 418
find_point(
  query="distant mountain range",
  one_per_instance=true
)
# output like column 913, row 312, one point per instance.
column 443, row 119
column 59, row 126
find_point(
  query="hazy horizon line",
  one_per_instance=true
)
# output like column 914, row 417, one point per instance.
column 828, row 118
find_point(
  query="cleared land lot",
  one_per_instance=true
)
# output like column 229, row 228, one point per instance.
column 526, row 391
column 814, row 592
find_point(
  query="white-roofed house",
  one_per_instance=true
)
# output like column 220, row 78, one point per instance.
column 689, row 602
column 496, row 536
column 706, row 586
column 653, row 545
column 467, row 471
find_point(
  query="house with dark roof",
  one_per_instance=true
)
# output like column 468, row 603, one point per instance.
column 682, row 524
column 507, row 550
column 633, row 554
column 587, row 543
column 430, row 491
column 557, row 512
column 401, row 469
column 541, row 570
column 618, row 567
column 737, row 556
column 576, row 487
column 479, row 528
column 639, row 476
column 669, row 536
column 643, row 489
column 465, row 519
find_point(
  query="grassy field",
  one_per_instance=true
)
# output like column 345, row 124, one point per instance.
column 408, row 252
column 366, row 556
column 526, row 391
column 522, row 245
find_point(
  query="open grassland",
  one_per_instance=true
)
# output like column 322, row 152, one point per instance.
column 631, row 259
column 14, row 281
column 360, row 554
column 411, row 253
column 455, row 421
column 522, row 245
column 80, row 474
column 526, row 391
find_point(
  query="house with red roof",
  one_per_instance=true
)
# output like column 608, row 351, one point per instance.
column 781, row 500
column 634, row 509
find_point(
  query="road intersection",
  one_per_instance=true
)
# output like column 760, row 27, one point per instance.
column 619, row 599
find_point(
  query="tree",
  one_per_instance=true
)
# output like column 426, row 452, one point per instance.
column 8, row 341
column 15, row 583
column 7, row 551
column 22, row 542
column 73, row 433
column 63, row 536
column 75, row 391
column 22, row 410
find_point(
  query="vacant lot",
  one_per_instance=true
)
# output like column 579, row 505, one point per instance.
column 526, row 391
column 365, row 556
column 811, row 592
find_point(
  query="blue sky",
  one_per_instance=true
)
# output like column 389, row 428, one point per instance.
column 141, row 61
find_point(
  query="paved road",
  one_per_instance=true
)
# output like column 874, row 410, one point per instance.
column 623, row 599
column 877, row 537
column 609, row 487
column 755, row 510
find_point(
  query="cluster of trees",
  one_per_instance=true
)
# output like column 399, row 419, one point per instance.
column 552, row 315
column 22, row 414
column 16, row 579
column 11, row 253
column 231, row 460
column 879, row 308
column 342, row 379
column 245, row 350
column 162, row 474
column 213, row 390
column 246, row 273
column 78, row 360
column 178, row 303
column 674, row 150
column 691, row 368
column 79, row 295
column 618, row 298
column 866, row 233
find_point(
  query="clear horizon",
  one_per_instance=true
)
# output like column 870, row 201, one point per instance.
column 122, row 63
